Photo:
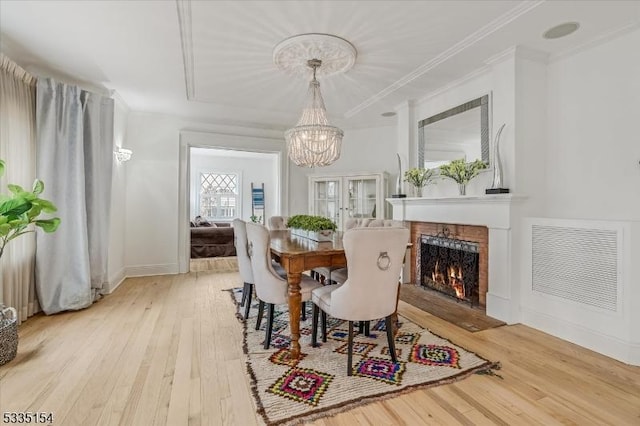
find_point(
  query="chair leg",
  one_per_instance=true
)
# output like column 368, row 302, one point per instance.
column 314, row 326
column 303, row 311
column 367, row 329
column 350, row 350
column 267, row 334
column 260, row 313
column 244, row 294
column 390, row 338
column 249, row 294
column 323, row 318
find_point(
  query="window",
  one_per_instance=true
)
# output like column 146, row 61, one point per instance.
column 219, row 196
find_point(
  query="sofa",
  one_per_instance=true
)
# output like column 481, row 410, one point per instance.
column 212, row 239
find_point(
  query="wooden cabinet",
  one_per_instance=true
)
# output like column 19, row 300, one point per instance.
column 354, row 195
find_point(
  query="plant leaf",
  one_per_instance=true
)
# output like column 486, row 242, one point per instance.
column 38, row 187
column 14, row 207
column 48, row 225
column 16, row 189
column 2, row 166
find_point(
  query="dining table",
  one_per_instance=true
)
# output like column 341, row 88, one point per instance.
column 296, row 255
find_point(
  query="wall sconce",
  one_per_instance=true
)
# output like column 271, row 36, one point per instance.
column 123, row 154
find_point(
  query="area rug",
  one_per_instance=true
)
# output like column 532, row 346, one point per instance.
column 292, row 392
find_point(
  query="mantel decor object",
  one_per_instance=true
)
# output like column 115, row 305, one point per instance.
column 316, row 228
column 399, row 193
column 462, row 172
column 496, row 185
column 419, row 177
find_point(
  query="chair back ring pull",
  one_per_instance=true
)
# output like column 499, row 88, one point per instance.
column 250, row 250
column 384, row 261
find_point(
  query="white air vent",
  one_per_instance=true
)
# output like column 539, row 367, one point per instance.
column 577, row 264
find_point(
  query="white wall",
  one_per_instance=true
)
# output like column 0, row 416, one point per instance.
column 116, row 260
column 152, row 194
column 571, row 148
column 259, row 170
column 593, row 146
column 363, row 150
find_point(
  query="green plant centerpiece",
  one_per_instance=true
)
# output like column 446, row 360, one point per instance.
column 19, row 209
column 318, row 228
column 462, row 172
column 419, row 177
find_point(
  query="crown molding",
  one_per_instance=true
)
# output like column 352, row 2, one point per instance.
column 465, row 43
column 602, row 38
column 459, row 82
column 186, row 41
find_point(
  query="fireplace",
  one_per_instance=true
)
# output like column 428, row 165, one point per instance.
column 450, row 266
column 474, row 242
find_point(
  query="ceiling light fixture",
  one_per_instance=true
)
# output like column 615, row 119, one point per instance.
column 313, row 142
column 561, row 30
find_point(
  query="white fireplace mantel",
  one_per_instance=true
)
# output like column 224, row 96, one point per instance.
column 492, row 211
column 496, row 212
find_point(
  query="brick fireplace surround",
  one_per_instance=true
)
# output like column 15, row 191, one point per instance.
column 487, row 219
column 476, row 234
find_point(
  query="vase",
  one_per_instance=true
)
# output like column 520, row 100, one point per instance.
column 418, row 191
column 462, row 188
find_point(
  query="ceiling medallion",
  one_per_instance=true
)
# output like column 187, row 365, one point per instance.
column 292, row 54
column 313, row 142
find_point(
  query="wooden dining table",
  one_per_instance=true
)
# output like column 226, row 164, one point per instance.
column 296, row 255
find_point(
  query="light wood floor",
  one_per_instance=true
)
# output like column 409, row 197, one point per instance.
column 167, row 350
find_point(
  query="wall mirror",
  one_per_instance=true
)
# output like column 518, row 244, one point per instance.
column 460, row 132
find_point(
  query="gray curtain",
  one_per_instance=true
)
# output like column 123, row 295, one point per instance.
column 74, row 159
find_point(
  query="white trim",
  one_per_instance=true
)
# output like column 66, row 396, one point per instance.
column 575, row 333
column 186, row 42
column 470, row 40
column 206, row 139
column 115, row 281
column 150, row 270
column 600, row 39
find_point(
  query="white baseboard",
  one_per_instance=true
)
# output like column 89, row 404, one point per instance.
column 115, row 281
column 610, row 346
column 148, row 270
column 500, row 308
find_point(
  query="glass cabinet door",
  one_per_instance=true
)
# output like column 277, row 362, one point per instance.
column 327, row 199
column 361, row 197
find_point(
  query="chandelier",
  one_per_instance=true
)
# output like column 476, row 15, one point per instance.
column 313, row 142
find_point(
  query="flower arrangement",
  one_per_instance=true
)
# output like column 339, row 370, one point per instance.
column 419, row 177
column 462, row 172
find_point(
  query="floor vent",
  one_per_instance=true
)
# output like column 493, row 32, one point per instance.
column 577, row 264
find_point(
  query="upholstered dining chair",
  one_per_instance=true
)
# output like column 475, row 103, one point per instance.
column 270, row 287
column 244, row 263
column 375, row 257
column 278, row 223
column 339, row 275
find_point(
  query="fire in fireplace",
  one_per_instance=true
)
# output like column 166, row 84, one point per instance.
column 450, row 266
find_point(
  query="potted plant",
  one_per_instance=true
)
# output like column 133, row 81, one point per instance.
column 317, row 228
column 419, row 178
column 462, row 172
column 18, row 211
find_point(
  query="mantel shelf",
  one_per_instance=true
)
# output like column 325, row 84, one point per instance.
column 489, row 198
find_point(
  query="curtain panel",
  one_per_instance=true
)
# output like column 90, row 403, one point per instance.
column 75, row 159
column 18, row 150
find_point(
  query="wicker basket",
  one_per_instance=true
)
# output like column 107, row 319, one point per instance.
column 8, row 334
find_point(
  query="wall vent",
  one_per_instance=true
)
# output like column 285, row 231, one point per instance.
column 577, row 264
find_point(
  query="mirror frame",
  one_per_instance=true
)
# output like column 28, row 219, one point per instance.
column 483, row 103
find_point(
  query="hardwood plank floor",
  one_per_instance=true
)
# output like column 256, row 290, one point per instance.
column 167, row 350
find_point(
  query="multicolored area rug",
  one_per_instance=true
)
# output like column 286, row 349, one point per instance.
column 291, row 392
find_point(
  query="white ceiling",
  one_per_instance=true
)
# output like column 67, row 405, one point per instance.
column 406, row 49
